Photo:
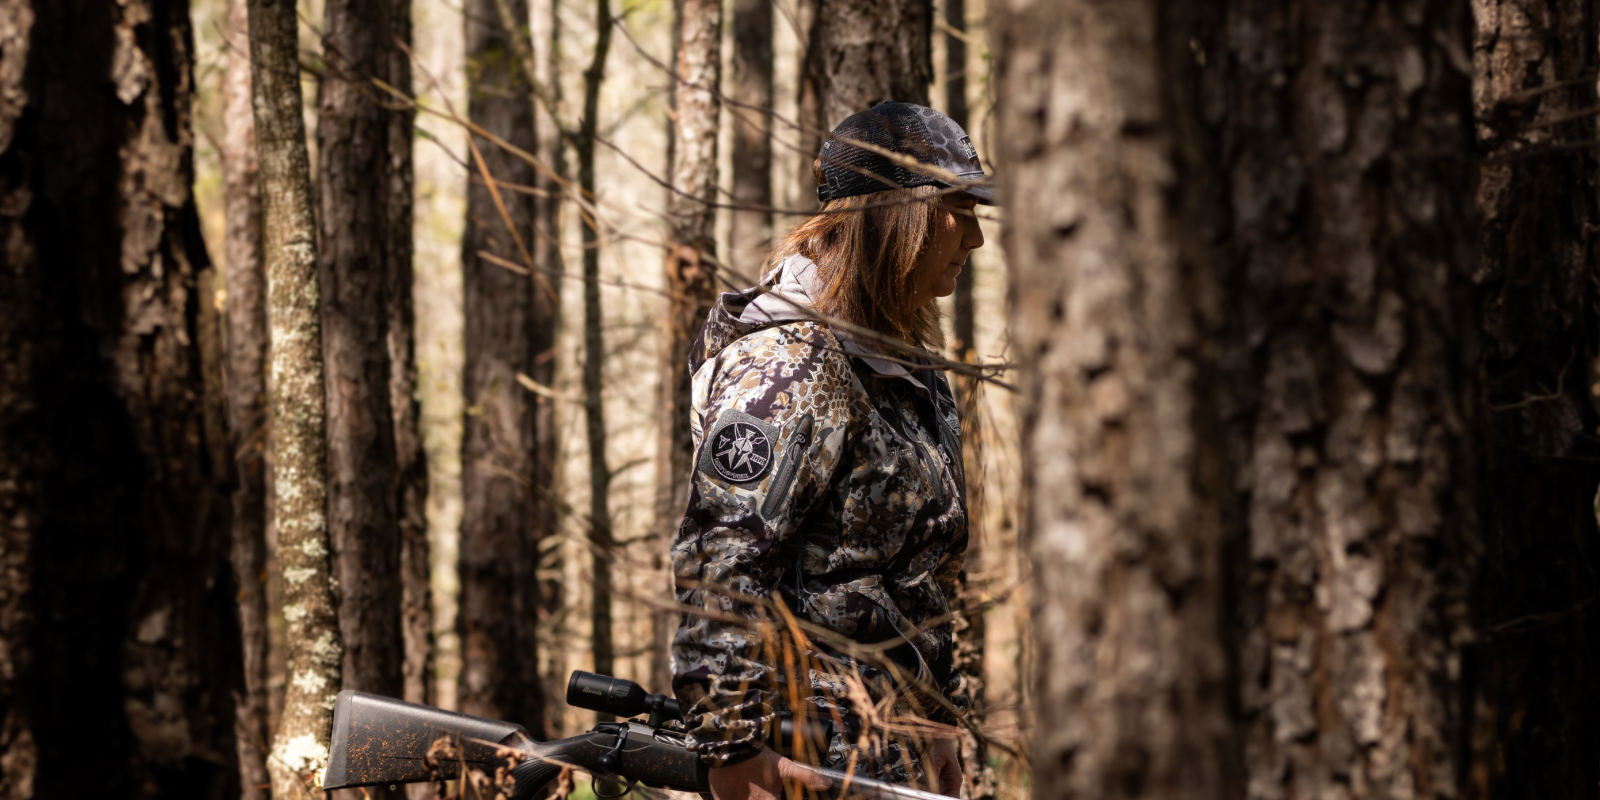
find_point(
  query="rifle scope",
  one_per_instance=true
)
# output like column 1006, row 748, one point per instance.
column 620, row 697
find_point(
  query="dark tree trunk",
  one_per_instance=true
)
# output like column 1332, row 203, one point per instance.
column 690, row 272
column 357, row 268
column 594, row 358
column 546, row 473
column 247, row 399
column 1261, row 379
column 750, row 234
column 314, row 649
column 411, row 466
column 22, row 448
column 116, row 609
column 861, row 53
column 508, row 327
column 1538, row 724
column 970, row 633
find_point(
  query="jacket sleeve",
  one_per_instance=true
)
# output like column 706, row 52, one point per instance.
column 771, row 416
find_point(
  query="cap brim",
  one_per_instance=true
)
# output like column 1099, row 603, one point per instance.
column 983, row 191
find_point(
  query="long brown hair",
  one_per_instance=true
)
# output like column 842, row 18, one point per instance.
column 866, row 250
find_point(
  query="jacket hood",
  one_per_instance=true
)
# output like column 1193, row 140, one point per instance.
column 783, row 296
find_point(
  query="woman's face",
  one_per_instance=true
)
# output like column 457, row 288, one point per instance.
column 955, row 234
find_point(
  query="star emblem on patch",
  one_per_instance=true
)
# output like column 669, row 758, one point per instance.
column 740, row 451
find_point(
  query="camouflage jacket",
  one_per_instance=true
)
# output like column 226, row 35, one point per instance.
column 828, row 478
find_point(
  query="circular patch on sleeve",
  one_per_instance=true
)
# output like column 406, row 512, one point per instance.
column 741, row 452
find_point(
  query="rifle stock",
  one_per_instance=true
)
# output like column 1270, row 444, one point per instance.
column 379, row 741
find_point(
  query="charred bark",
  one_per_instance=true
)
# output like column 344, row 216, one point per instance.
column 116, row 610
column 247, row 399
column 691, row 279
column 1535, row 732
column 1282, row 191
column 315, row 651
column 507, row 332
column 358, row 268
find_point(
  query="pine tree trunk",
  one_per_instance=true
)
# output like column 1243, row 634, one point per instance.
column 861, row 53
column 411, row 466
column 546, row 449
column 1124, row 538
column 22, row 450
column 970, row 627
column 299, row 431
column 116, row 596
column 1350, row 184
column 690, row 272
column 1261, row 216
column 594, row 359
column 1536, row 717
column 750, row 235
column 505, row 322
column 247, row 399
column 356, row 267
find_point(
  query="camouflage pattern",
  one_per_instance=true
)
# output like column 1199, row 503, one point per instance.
column 827, row 480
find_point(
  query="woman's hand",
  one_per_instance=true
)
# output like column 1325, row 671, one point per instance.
column 763, row 778
column 943, row 762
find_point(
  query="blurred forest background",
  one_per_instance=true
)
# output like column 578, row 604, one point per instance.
column 1284, row 485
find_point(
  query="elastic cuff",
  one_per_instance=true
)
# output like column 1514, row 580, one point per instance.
column 732, row 757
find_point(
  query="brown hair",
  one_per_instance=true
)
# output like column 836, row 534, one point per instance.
column 866, row 249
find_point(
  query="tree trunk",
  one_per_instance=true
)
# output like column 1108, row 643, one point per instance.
column 507, row 327
column 970, row 633
column 1266, row 295
column 357, row 268
column 247, row 399
column 546, row 471
column 1121, row 528
column 861, row 53
column 750, row 235
column 116, row 597
column 594, row 358
column 299, row 432
column 1536, row 727
column 22, row 449
column 411, row 466
column 690, row 273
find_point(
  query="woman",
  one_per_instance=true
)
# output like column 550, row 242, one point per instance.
column 827, row 481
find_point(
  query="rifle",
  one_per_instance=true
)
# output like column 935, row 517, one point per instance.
column 381, row 741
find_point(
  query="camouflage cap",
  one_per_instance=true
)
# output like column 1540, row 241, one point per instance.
column 906, row 129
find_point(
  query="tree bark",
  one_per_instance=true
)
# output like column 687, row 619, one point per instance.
column 1535, row 727
column 1351, row 234
column 22, row 450
column 507, row 330
column 357, row 266
column 861, row 53
column 970, row 624
column 1260, row 216
column 116, row 596
column 247, row 399
column 690, row 273
column 299, row 431
column 546, row 471
column 411, row 466
column 594, row 358
column 1126, row 547
column 750, row 234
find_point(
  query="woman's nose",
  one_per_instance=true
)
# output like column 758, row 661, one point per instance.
column 974, row 233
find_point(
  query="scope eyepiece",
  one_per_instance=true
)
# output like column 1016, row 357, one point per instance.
column 617, row 696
